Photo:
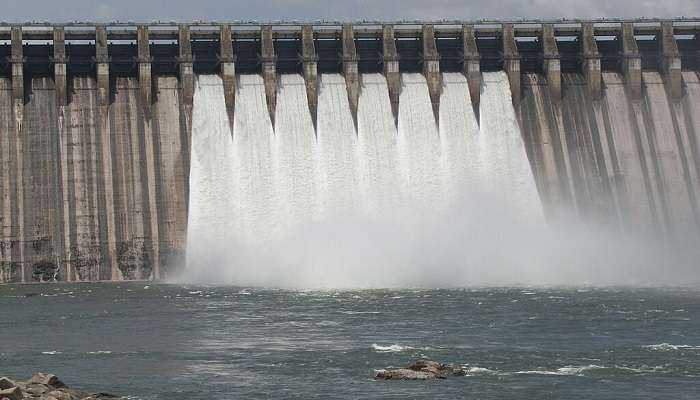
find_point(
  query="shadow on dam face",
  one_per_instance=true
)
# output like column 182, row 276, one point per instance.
column 553, row 172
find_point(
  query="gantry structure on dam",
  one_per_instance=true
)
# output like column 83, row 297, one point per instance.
column 185, row 49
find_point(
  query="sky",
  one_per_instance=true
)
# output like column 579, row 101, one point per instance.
column 270, row 10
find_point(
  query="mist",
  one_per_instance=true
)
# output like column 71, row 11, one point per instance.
column 417, row 208
column 477, row 243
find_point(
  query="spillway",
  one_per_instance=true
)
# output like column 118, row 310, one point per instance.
column 255, row 190
column 274, row 153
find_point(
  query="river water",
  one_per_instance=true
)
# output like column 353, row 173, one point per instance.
column 195, row 342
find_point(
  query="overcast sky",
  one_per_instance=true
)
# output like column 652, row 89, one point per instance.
column 219, row 10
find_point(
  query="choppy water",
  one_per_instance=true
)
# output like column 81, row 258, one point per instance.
column 176, row 342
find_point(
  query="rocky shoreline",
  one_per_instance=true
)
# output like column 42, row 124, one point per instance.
column 45, row 387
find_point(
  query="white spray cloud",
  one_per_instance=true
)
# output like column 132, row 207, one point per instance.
column 485, row 237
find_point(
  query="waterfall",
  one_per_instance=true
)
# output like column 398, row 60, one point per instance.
column 501, row 152
column 335, row 206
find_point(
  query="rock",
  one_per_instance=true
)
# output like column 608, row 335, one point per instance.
column 36, row 388
column 14, row 393
column 420, row 370
column 45, row 387
column 67, row 394
column 6, row 383
column 77, row 393
column 401, row 374
column 96, row 396
column 47, row 379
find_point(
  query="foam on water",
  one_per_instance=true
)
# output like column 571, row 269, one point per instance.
column 670, row 347
column 394, row 348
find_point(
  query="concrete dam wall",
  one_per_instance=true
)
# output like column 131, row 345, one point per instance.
column 96, row 121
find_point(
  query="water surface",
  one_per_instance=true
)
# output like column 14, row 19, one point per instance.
column 177, row 342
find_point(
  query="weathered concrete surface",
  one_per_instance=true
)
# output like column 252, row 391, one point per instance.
column 268, row 60
column 540, row 125
column 511, row 64
column 591, row 61
column 631, row 160
column 472, row 66
column 309, row 61
column 172, row 175
column 390, row 59
column 69, row 160
column 228, row 71
column 632, row 62
column 670, row 61
column 552, row 64
column 350, row 70
column 431, row 69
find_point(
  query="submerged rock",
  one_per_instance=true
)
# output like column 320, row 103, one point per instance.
column 45, row 387
column 420, row 370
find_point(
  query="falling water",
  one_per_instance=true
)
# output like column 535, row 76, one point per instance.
column 335, row 206
column 502, row 160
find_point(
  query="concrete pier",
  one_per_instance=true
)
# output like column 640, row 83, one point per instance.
column 269, row 70
column 632, row 62
column 185, row 62
column 102, row 63
column 431, row 69
column 228, row 71
column 309, row 61
column 471, row 67
column 59, row 66
column 17, row 198
column 350, row 70
column 671, row 61
column 511, row 63
column 62, row 239
column 96, row 122
column 107, row 204
column 390, row 59
column 144, row 64
column 552, row 64
column 591, row 61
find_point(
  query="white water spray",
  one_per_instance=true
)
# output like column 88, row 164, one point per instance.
column 421, row 205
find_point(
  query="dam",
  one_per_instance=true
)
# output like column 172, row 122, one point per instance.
column 118, row 141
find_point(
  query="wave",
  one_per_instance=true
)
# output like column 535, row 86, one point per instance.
column 480, row 371
column 563, row 371
column 573, row 370
column 358, row 312
column 51, row 353
column 394, row 348
column 670, row 347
